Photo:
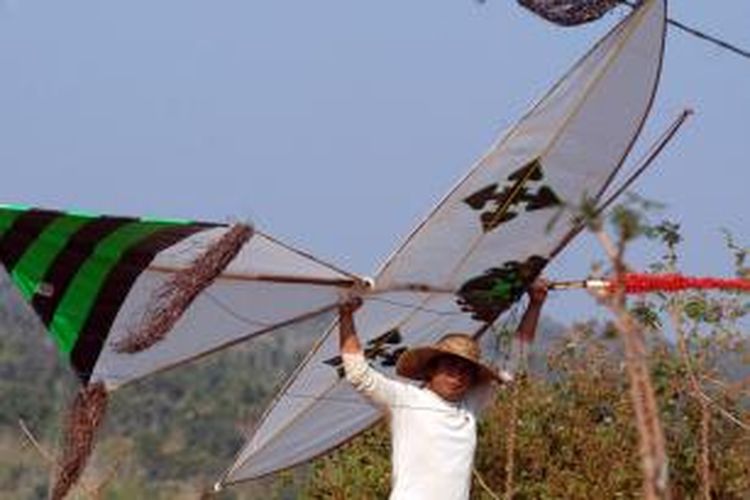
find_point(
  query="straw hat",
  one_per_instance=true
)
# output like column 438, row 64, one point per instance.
column 413, row 363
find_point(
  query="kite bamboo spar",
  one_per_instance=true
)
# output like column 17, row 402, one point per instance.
column 633, row 283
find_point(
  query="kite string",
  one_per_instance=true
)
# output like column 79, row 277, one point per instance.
column 710, row 38
column 415, row 307
column 230, row 311
column 699, row 34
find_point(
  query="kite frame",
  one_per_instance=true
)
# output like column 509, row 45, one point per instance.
column 389, row 260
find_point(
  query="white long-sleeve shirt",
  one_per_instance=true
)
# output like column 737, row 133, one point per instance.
column 433, row 439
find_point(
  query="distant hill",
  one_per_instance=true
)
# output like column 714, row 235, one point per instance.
column 171, row 432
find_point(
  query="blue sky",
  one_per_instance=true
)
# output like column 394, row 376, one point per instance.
column 335, row 125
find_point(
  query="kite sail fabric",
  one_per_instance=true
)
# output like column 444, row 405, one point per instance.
column 473, row 256
column 91, row 279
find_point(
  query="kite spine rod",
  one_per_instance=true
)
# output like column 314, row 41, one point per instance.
column 271, row 278
column 578, row 284
column 423, row 288
column 632, row 283
column 655, row 151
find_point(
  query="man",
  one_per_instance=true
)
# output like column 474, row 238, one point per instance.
column 433, row 426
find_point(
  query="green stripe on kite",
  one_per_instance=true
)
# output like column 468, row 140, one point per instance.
column 11, row 206
column 29, row 272
column 8, row 215
column 177, row 222
column 114, row 292
column 82, row 213
column 73, row 311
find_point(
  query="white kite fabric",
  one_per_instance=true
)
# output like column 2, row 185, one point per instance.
column 474, row 254
column 289, row 290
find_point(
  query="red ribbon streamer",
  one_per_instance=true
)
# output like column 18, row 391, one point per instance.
column 646, row 283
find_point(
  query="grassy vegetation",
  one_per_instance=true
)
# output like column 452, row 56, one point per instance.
column 573, row 435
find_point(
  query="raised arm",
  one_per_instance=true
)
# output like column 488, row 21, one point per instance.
column 366, row 380
column 537, row 295
column 348, row 340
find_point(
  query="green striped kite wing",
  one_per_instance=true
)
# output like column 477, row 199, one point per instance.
column 76, row 269
column 90, row 279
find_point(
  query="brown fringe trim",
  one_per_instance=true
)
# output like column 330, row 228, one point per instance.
column 570, row 12
column 174, row 298
column 84, row 418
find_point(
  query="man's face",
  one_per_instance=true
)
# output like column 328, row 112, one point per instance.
column 451, row 377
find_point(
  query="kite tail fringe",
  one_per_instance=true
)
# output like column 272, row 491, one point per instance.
column 83, row 420
column 173, row 299
column 570, row 12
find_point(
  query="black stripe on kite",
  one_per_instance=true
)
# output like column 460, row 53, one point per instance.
column 67, row 263
column 114, row 291
column 23, row 233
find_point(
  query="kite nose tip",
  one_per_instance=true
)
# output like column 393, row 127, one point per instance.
column 218, row 487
